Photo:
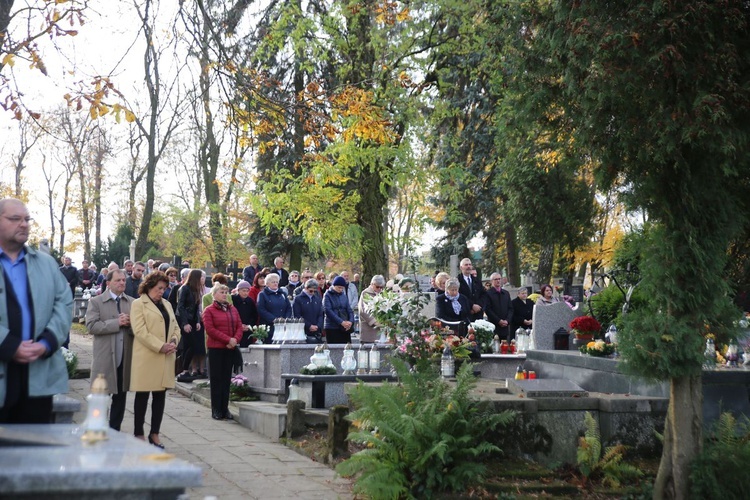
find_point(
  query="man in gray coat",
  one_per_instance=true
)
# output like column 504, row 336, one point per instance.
column 108, row 320
column 32, row 368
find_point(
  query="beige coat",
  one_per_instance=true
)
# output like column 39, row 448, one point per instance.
column 368, row 328
column 102, row 321
column 151, row 370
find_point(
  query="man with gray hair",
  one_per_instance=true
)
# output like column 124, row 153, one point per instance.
column 498, row 308
column 108, row 321
column 32, row 368
column 471, row 287
column 368, row 328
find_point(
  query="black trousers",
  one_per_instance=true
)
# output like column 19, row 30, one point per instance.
column 28, row 411
column 23, row 409
column 220, row 376
column 338, row 336
column 117, row 410
column 158, row 401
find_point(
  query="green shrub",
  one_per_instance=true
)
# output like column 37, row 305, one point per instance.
column 422, row 436
column 719, row 471
column 606, row 306
column 592, row 464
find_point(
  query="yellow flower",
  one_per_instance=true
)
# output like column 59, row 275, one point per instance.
column 591, row 345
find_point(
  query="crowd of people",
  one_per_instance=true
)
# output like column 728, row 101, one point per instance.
column 149, row 318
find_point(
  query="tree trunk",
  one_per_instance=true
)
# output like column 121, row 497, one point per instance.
column 511, row 249
column 544, row 271
column 370, row 217
column 683, row 438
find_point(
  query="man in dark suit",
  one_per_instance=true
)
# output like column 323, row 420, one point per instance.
column 471, row 287
column 498, row 308
column 453, row 307
column 71, row 275
column 250, row 271
column 278, row 262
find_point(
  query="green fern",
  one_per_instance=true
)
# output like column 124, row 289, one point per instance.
column 724, row 461
column 591, row 463
column 421, row 436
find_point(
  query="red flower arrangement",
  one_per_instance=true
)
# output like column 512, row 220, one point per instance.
column 585, row 326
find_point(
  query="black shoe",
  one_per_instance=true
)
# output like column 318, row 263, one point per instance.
column 228, row 416
column 217, row 415
column 151, row 441
column 185, row 377
column 200, row 375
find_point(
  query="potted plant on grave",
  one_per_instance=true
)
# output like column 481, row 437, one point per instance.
column 585, row 328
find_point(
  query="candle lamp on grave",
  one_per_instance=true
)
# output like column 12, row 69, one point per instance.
column 363, row 358
column 374, row 359
column 96, row 424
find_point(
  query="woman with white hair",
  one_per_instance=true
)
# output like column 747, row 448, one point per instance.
column 368, row 328
column 272, row 304
column 453, row 307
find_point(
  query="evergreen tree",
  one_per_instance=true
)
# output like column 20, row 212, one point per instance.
column 660, row 95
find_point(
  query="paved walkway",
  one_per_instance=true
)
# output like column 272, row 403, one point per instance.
column 236, row 462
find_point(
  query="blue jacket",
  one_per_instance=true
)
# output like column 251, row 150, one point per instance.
column 310, row 309
column 337, row 309
column 53, row 310
column 272, row 305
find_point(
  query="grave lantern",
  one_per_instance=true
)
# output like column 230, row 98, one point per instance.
column 374, row 360
column 348, row 363
column 362, row 360
column 293, row 390
column 96, row 424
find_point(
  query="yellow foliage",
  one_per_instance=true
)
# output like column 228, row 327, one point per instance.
column 8, row 60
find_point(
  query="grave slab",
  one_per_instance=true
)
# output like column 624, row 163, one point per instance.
column 546, row 388
column 120, row 467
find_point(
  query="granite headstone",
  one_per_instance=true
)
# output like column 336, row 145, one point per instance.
column 548, row 319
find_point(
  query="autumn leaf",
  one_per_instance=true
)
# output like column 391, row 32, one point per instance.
column 8, row 60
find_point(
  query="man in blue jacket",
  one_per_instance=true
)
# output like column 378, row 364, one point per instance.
column 309, row 306
column 32, row 368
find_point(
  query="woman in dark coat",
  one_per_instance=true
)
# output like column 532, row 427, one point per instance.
column 452, row 307
column 339, row 316
column 247, row 309
column 273, row 304
column 523, row 310
column 191, row 324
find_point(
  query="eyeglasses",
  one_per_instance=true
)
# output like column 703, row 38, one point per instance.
column 17, row 219
column 377, row 287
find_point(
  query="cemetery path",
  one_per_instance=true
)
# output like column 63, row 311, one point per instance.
column 237, row 463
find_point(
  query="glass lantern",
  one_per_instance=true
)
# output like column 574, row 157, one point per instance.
column 363, row 358
column 374, row 360
column 293, row 390
column 448, row 363
column 96, row 424
column 348, row 363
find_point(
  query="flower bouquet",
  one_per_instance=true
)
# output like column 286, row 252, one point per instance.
column 260, row 333
column 398, row 313
column 428, row 345
column 71, row 361
column 483, row 332
column 239, row 389
column 597, row 348
column 585, row 327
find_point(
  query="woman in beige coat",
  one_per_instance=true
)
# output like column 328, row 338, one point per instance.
column 368, row 327
column 156, row 336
